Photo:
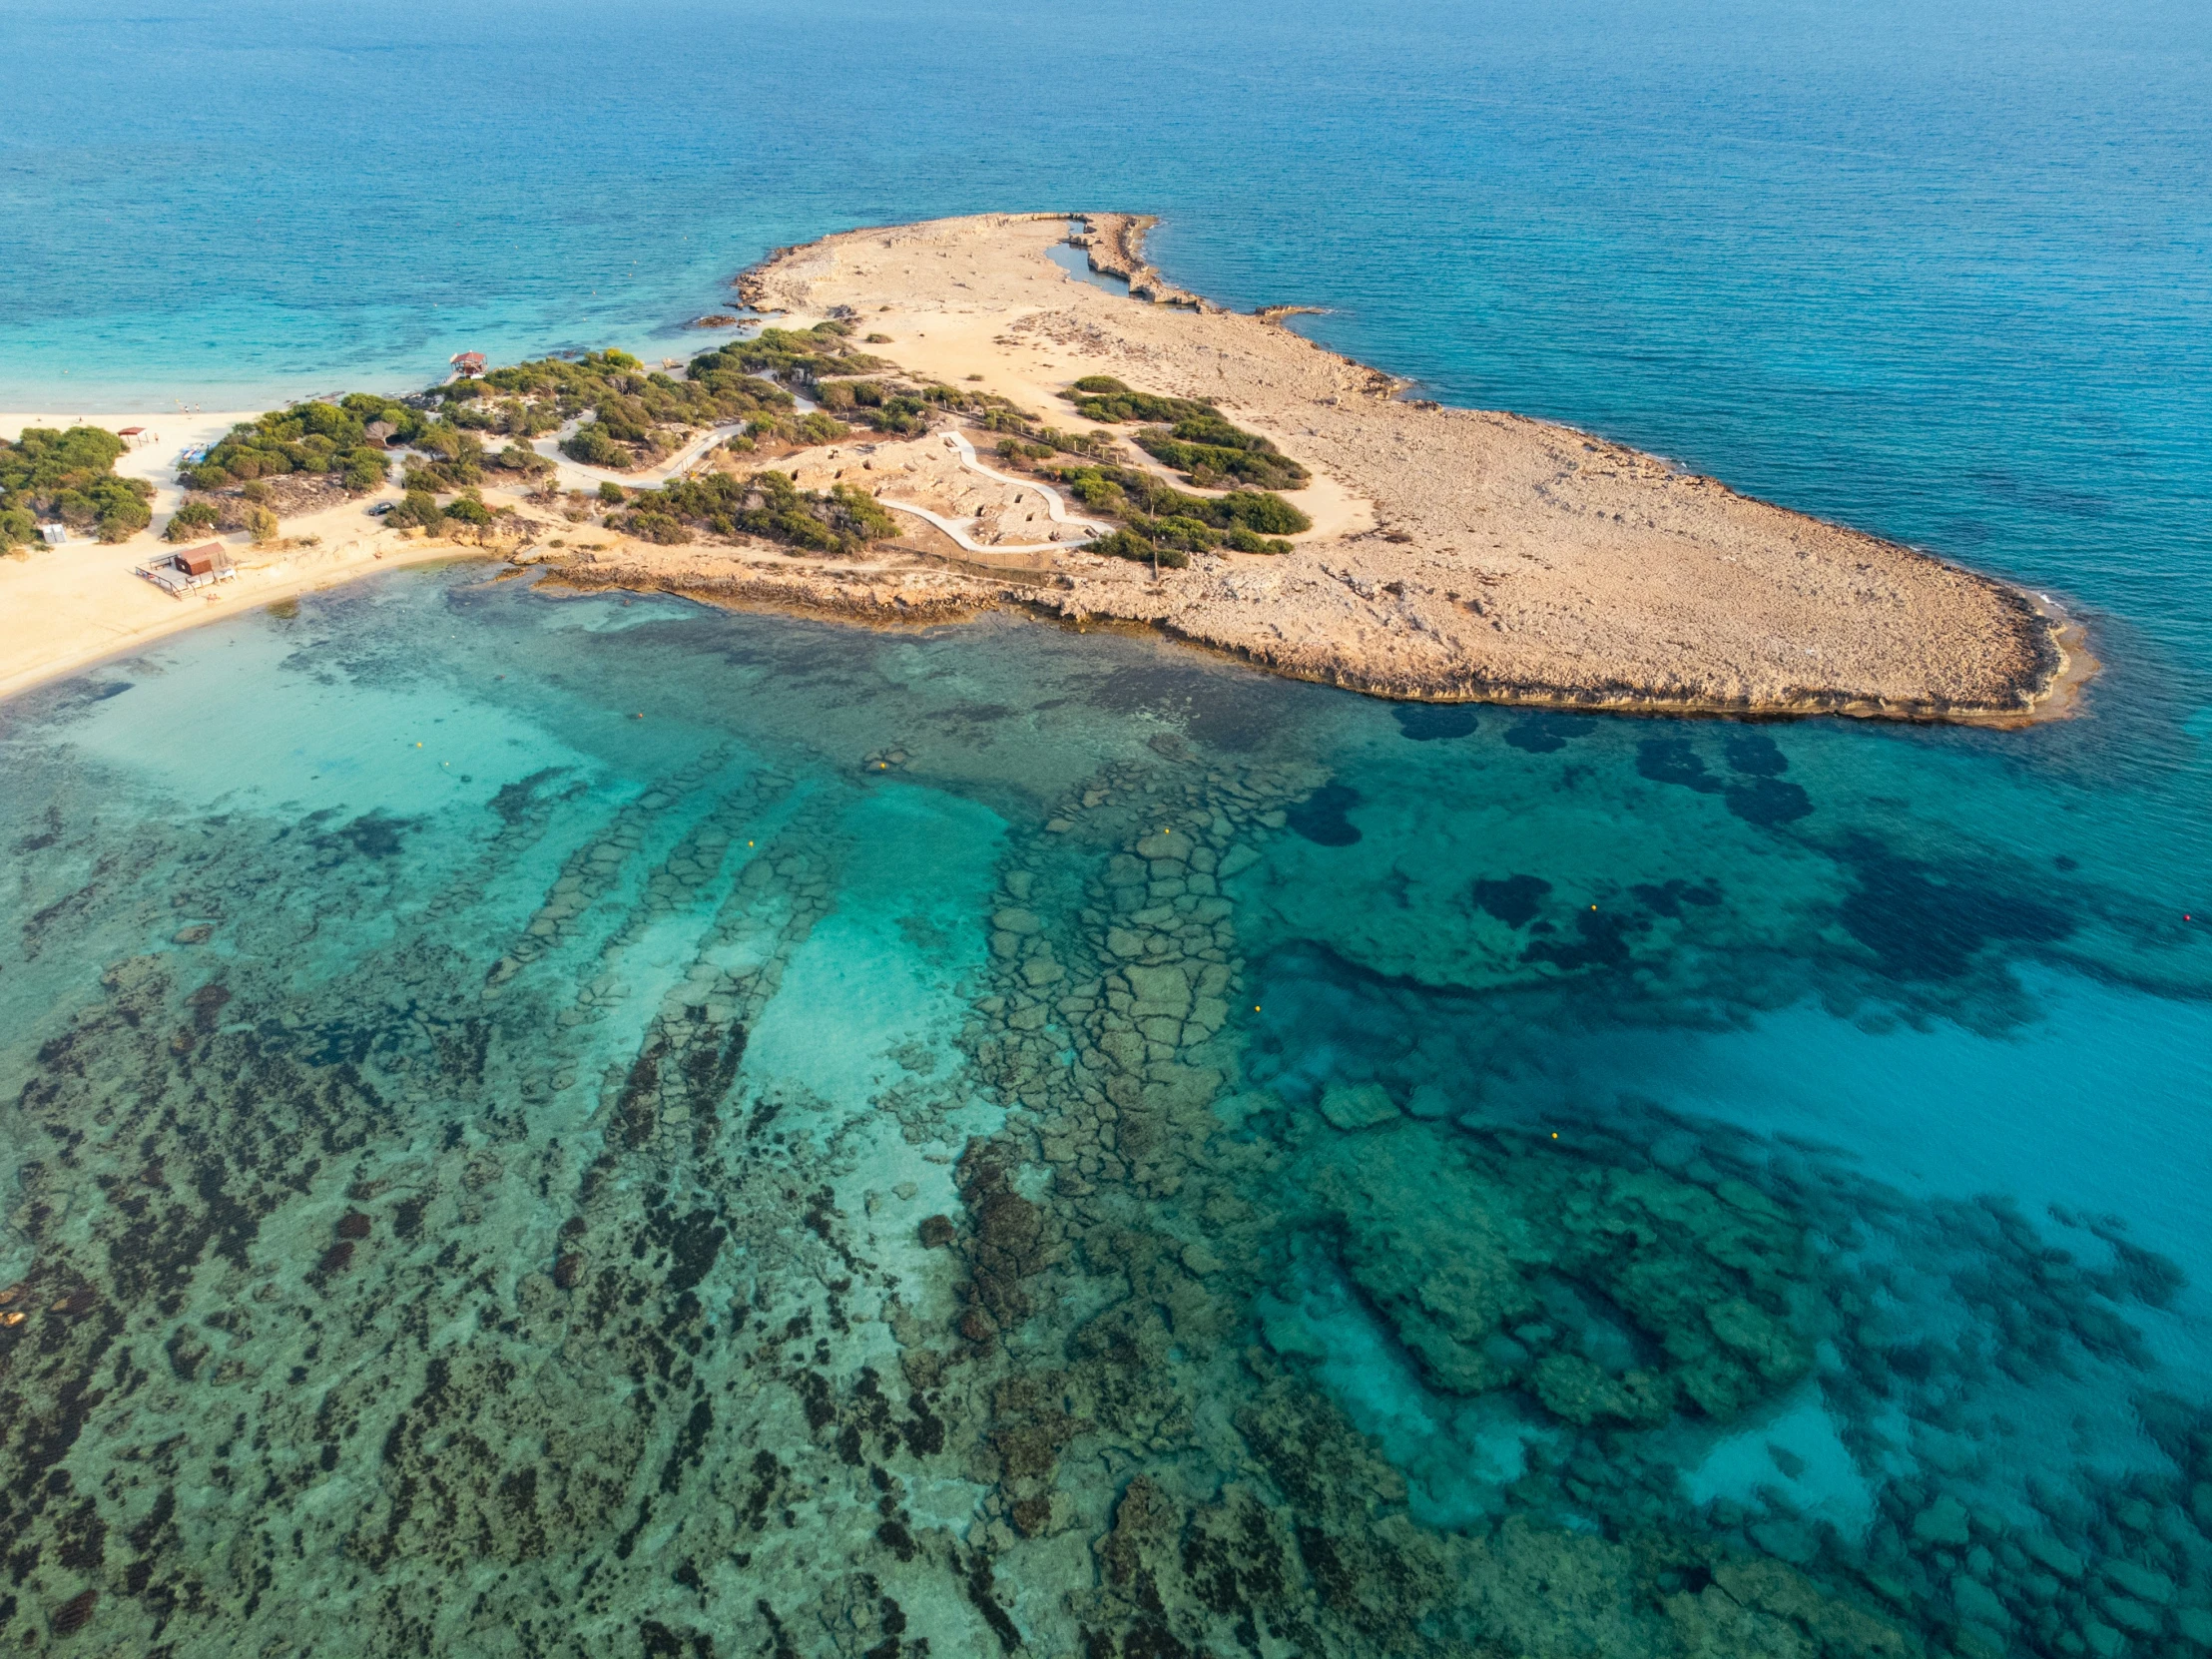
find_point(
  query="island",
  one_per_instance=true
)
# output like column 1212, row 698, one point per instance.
column 924, row 422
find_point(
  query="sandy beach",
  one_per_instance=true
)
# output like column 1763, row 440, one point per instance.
column 65, row 607
column 1453, row 555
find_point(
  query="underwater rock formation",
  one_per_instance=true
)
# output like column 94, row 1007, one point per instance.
column 1608, row 1296
column 449, row 1242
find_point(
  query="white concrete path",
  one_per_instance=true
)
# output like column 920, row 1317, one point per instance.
column 1054, row 507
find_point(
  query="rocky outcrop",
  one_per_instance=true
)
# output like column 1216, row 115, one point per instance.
column 1116, row 247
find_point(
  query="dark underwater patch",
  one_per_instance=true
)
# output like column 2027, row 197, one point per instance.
column 1232, row 712
column 1434, row 721
column 1925, row 922
column 1513, row 900
column 1667, row 898
column 1602, row 941
column 373, row 835
column 1321, row 819
column 1673, row 761
column 1759, row 796
column 1767, row 801
column 1763, row 798
column 1545, row 733
column 514, row 801
column 1756, row 755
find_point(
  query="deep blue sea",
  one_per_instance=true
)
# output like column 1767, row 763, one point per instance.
column 538, row 1124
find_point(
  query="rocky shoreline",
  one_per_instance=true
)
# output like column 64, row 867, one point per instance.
column 921, row 594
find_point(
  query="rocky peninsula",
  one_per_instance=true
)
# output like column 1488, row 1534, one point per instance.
column 1454, row 554
column 930, row 421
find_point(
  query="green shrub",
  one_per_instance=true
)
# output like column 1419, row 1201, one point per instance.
column 122, row 517
column 262, row 525
column 70, row 476
column 468, row 510
column 662, row 528
column 17, row 529
column 1255, row 462
column 793, row 357
column 1190, row 534
column 799, row 432
column 190, row 521
column 1241, row 540
column 1103, row 399
column 1192, row 436
column 613, row 492
column 308, row 438
column 1126, row 544
column 771, row 507
column 418, row 509
column 518, row 458
column 1123, row 491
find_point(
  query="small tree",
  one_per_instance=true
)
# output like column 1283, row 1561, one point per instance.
column 420, row 508
column 194, row 519
column 262, row 525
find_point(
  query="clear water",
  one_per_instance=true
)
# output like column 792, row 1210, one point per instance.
column 485, row 1063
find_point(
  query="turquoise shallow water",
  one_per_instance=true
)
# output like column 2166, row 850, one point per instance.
column 561, row 1125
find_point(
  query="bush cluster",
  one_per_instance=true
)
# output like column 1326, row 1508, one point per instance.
column 1160, row 521
column 1246, row 521
column 191, row 522
column 637, row 416
column 420, row 508
column 797, row 430
column 69, row 475
column 796, row 356
column 1189, row 435
column 1103, row 399
column 901, row 410
column 1031, row 442
column 311, row 437
column 1208, row 450
column 766, row 504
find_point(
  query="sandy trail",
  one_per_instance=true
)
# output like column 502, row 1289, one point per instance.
column 576, row 475
column 1055, row 508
